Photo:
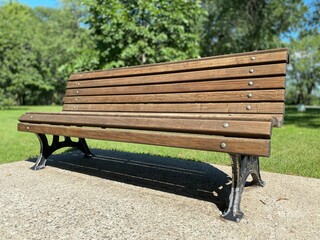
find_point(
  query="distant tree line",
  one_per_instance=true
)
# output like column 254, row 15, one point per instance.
column 40, row 47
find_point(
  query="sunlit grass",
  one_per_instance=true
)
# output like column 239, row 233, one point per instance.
column 295, row 147
column 16, row 145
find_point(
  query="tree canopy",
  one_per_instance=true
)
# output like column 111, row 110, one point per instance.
column 304, row 72
column 241, row 25
column 40, row 47
column 135, row 32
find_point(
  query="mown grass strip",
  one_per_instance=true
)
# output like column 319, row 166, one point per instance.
column 295, row 147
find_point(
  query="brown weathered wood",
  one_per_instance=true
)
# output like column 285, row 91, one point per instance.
column 195, row 97
column 276, row 119
column 259, row 57
column 223, row 73
column 226, row 104
column 225, row 96
column 258, row 129
column 265, row 107
column 260, row 147
column 258, row 83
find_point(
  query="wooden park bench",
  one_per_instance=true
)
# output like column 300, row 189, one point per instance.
column 226, row 104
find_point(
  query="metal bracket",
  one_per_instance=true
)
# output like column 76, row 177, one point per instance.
column 46, row 150
column 242, row 167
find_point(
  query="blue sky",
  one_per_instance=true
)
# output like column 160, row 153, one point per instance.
column 42, row 3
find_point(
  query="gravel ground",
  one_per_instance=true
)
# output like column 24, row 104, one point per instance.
column 132, row 196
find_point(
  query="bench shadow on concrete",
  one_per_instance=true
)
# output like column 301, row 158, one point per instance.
column 187, row 178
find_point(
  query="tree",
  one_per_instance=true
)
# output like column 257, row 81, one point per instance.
column 305, row 69
column 39, row 48
column 19, row 75
column 131, row 32
column 242, row 25
column 65, row 45
column 304, row 72
column 315, row 15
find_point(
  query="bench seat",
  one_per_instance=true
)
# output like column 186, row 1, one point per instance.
column 207, row 133
column 225, row 104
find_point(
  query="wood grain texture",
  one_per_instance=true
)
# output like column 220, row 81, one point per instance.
column 256, row 57
column 223, row 73
column 242, row 84
column 276, row 119
column 265, row 107
column 258, row 147
column 181, row 104
column 223, row 96
column 257, row 129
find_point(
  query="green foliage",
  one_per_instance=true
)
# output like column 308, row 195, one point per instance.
column 304, row 71
column 65, row 48
column 19, row 75
column 39, row 48
column 241, row 25
column 5, row 101
column 135, row 32
column 80, row 52
column 305, row 68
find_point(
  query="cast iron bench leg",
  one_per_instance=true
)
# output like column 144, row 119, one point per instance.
column 242, row 166
column 46, row 150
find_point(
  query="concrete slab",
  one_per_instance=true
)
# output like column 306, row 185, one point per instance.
column 134, row 196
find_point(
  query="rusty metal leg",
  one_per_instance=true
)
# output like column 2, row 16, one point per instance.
column 46, row 150
column 242, row 167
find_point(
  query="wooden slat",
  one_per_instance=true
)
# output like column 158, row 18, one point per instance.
column 224, row 73
column 258, row 129
column 277, row 119
column 257, row 57
column 266, row 107
column 225, row 96
column 259, row 147
column 258, row 83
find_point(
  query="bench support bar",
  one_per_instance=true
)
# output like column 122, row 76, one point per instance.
column 242, row 167
column 46, row 150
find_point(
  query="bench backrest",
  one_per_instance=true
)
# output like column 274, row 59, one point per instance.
column 248, row 85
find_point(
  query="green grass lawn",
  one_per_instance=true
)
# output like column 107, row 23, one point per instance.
column 295, row 147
